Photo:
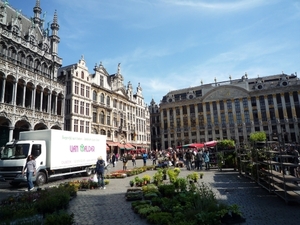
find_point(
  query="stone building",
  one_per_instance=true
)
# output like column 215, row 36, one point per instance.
column 31, row 98
column 231, row 110
column 155, row 125
column 99, row 103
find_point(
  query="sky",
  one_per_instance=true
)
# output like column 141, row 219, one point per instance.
column 167, row 45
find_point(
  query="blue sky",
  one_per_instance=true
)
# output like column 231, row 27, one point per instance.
column 171, row 44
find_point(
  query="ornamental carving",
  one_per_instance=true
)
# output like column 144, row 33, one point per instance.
column 225, row 93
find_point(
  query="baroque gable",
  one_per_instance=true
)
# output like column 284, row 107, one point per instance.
column 223, row 93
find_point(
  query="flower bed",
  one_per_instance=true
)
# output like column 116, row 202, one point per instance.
column 128, row 173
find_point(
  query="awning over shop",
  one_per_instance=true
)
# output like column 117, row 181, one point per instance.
column 107, row 148
column 210, row 144
column 129, row 147
column 192, row 145
column 111, row 144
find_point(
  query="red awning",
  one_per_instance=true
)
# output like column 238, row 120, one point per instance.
column 107, row 148
column 210, row 144
column 110, row 143
column 196, row 145
column 129, row 146
column 192, row 145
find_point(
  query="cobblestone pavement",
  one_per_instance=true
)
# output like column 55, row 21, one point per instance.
column 109, row 206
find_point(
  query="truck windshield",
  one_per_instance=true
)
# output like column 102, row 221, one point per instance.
column 18, row 151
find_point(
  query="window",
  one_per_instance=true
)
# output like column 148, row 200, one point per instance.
column 82, row 108
column 76, row 125
column 81, row 126
column 102, row 117
column 229, row 104
column 87, row 127
column 68, row 87
column 108, row 101
column 87, row 92
column 82, row 75
column 68, row 106
column 68, row 124
column 102, row 98
column 82, row 89
column 94, row 117
column 115, row 103
column 76, row 88
column 94, row 96
column 87, row 109
column 101, row 81
column 76, row 102
column 245, row 103
column 108, row 118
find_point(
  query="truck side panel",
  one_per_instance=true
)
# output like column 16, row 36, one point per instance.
column 67, row 149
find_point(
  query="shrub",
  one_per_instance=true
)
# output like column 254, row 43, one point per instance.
column 166, row 190
column 59, row 218
column 52, row 200
column 160, row 218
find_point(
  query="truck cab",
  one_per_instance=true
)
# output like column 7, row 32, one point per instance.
column 14, row 157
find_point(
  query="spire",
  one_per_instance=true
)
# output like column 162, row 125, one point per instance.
column 119, row 68
column 37, row 14
column 54, row 37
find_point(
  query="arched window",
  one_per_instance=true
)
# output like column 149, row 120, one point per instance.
column 103, row 132
column 108, row 101
column 82, row 75
column 102, row 117
column 102, row 98
column 108, row 134
column 3, row 48
column 94, row 96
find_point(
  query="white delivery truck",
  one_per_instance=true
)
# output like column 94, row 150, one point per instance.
column 56, row 152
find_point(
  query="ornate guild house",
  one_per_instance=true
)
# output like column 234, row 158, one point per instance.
column 31, row 98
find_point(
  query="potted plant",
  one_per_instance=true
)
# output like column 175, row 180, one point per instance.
column 146, row 179
column 131, row 183
column 201, row 175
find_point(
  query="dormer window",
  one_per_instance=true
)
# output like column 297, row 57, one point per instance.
column 15, row 30
column 31, row 39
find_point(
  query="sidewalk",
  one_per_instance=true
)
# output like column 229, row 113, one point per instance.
column 257, row 205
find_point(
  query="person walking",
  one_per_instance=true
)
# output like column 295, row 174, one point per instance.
column 30, row 168
column 199, row 159
column 100, row 167
column 145, row 157
column 188, row 159
column 125, row 160
column 133, row 159
column 113, row 159
column 206, row 159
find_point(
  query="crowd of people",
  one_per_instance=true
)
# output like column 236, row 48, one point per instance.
column 191, row 158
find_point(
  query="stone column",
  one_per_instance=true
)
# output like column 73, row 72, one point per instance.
column 55, row 105
column 33, row 93
column 24, row 95
column 41, row 100
column 14, row 93
column 11, row 133
column 3, row 90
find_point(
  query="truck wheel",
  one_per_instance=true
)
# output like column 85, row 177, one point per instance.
column 40, row 179
column 88, row 172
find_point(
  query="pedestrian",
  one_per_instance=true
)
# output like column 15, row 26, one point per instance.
column 30, row 168
column 113, row 159
column 125, row 160
column 145, row 157
column 206, row 159
column 199, row 159
column 154, row 158
column 100, row 167
column 188, row 159
column 133, row 159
